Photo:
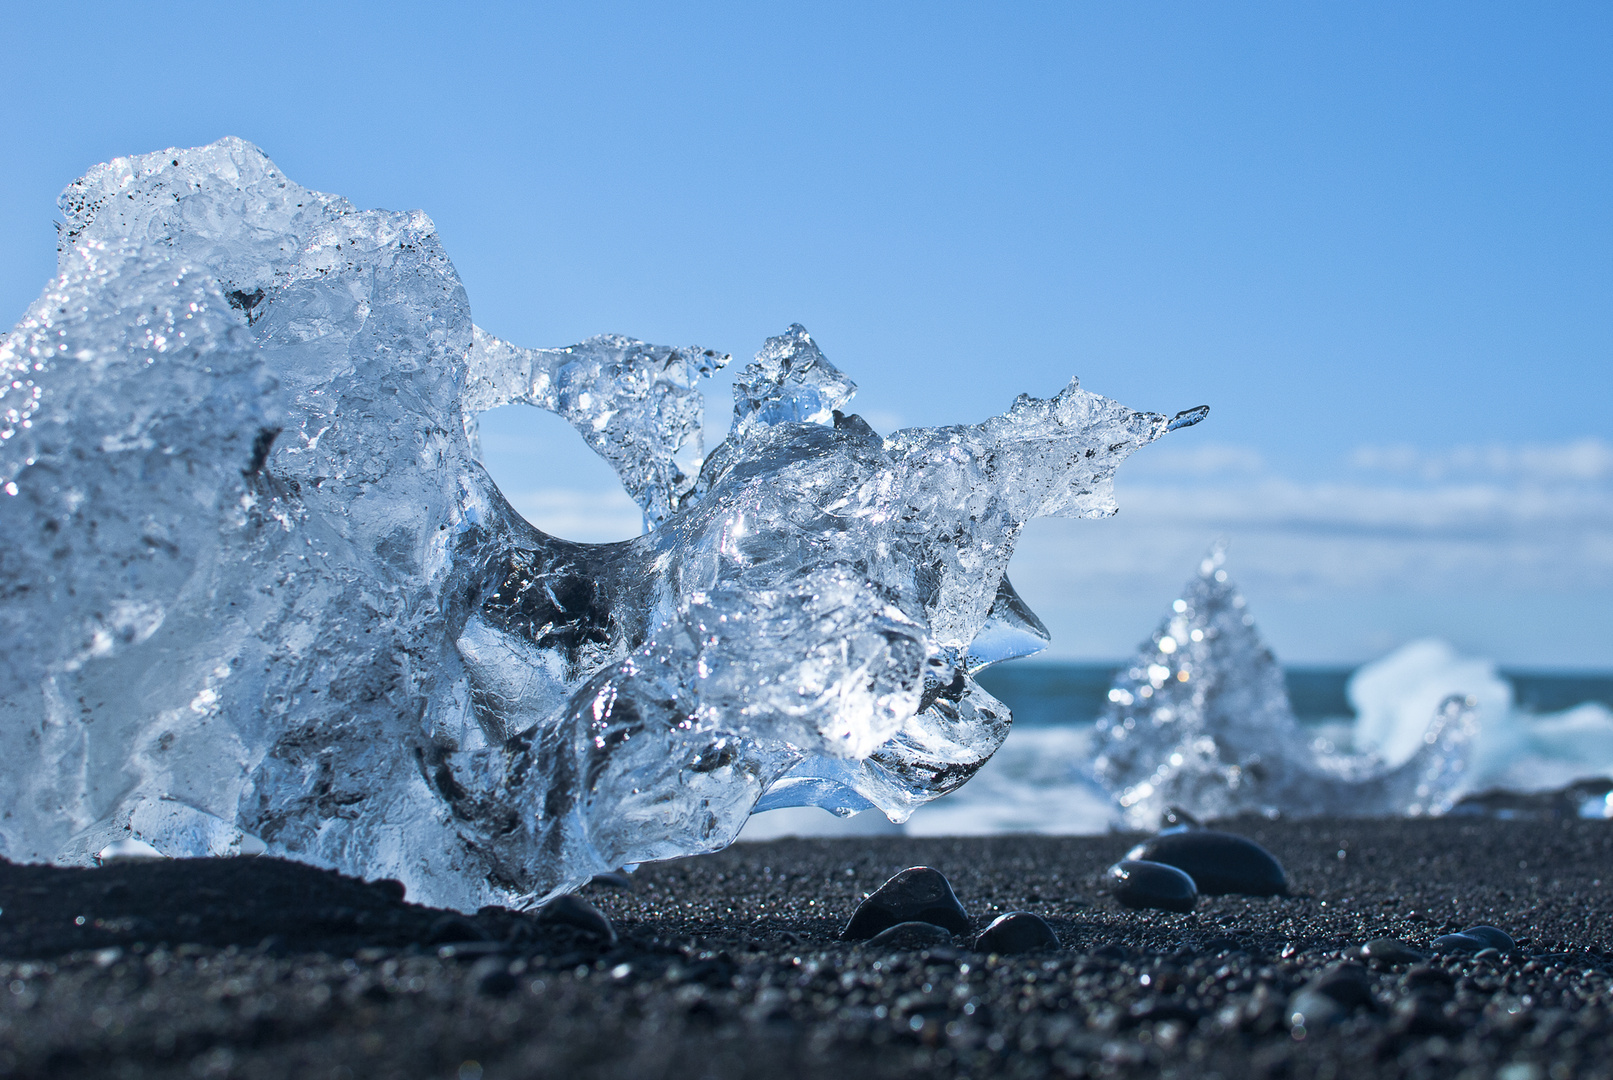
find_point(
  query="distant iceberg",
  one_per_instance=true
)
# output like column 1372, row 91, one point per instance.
column 1201, row 720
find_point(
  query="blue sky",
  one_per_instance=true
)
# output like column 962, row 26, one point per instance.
column 1374, row 238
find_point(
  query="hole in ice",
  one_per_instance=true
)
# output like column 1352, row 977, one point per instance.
column 553, row 479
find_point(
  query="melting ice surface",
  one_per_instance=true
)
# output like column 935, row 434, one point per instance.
column 1201, row 720
column 257, row 591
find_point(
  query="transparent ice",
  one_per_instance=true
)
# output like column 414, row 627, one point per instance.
column 257, row 593
column 1201, row 720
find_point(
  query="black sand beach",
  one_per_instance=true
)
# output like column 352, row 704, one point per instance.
column 729, row 966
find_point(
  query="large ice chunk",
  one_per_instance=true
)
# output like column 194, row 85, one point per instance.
column 1201, row 720
column 256, row 590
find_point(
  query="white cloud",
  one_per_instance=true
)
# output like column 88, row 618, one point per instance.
column 1210, row 459
column 1585, row 460
column 588, row 517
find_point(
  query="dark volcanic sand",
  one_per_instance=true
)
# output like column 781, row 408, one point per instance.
column 728, row 966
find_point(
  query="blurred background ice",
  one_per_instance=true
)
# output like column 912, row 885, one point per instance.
column 1538, row 731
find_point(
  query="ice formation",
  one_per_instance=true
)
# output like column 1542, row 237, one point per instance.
column 1201, row 720
column 258, row 593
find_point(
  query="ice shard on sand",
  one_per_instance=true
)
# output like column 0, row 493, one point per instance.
column 258, row 593
column 1200, row 720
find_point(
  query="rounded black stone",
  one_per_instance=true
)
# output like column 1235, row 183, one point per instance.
column 1453, row 943
column 492, row 976
column 1138, row 883
column 448, row 929
column 1425, row 978
column 1348, row 984
column 391, row 888
column 1311, row 1010
column 910, row 935
column 1390, row 951
column 572, row 910
column 1419, row 1014
column 917, row 894
column 1492, row 937
column 1016, row 932
column 1218, row 862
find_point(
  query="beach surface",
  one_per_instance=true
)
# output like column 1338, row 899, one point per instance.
column 729, row 965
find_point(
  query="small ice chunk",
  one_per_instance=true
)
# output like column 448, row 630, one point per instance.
column 1201, row 720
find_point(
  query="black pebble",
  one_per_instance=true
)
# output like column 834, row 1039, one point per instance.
column 572, row 910
column 614, row 879
column 1138, row 883
column 451, row 928
column 1451, row 943
column 1429, row 980
column 1390, row 951
column 391, row 888
column 910, row 935
column 917, row 894
column 1311, row 1010
column 492, row 976
column 1348, row 984
column 1493, row 938
column 1420, row 1014
column 1016, row 932
column 1330, row 997
column 1218, row 862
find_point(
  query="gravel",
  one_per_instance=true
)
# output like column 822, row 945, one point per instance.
column 729, row 965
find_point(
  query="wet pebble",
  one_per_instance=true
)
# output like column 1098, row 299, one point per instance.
column 1427, row 980
column 1455, row 943
column 1017, row 932
column 1219, row 863
column 1492, row 938
column 572, row 910
column 391, row 888
column 917, row 894
column 1330, row 997
column 1391, row 951
column 1423, row 1014
column 613, row 879
column 910, row 935
column 1137, row 883
column 1348, row 984
column 1309, row 1010
column 493, row 977
column 449, row 929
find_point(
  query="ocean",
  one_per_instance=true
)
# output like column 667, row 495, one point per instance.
column 1051, row 692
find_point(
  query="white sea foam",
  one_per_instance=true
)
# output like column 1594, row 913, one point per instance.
column 1513, row 749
